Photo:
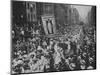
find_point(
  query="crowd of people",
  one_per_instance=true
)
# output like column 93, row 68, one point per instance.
column 32, row 52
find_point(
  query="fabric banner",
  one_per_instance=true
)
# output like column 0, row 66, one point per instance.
column 49, row 24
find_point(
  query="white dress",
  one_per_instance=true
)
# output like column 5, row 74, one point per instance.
column 49, row 27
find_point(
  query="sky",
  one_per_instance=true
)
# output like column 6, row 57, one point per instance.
column 83, row 10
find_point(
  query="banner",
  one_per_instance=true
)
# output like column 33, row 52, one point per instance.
column 31, row 11
column 49, row 24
